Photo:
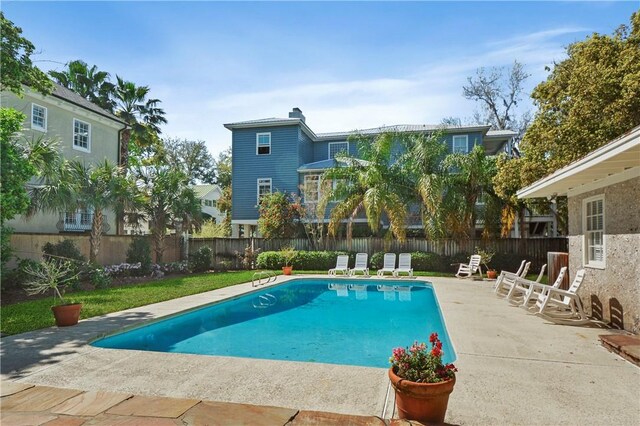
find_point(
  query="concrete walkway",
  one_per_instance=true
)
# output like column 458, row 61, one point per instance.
column 514, row 368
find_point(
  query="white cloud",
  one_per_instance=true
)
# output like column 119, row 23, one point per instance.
column 431, row 93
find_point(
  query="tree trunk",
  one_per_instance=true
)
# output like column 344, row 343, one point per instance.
column 124, row 148
column 158, row 239
column 96, row 235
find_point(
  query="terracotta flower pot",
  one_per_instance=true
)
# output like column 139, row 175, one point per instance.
column 67, row 315
column 492, row 274
column 286, row 270
column 425, row 402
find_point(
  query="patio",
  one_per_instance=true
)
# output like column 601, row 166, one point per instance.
column 514, row 368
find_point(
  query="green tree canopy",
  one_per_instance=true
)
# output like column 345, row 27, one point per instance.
column 589, row 99
column 88, row 82
column 279, row 215
column 17, row 67
column 193, row 157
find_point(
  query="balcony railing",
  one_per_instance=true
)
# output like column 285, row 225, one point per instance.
column 78, row 222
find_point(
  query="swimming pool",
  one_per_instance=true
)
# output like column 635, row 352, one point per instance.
column 335, row 321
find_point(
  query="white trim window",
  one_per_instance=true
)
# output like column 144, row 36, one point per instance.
column 263, row 143
column 312, row 188
column 336, row 148
column 460, row 144
column 593, row 228
column 38, row 117
column 264, row 188
column 81, row 135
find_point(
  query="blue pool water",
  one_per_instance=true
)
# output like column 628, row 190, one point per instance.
column 339, row 321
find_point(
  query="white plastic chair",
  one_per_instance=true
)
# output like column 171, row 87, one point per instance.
column 389, row 264
column 508, row 280
column 503, row 273
column 528, row 289
column 466, row 270
column 342, row 265
column 361, row 265
column 562, row 306
column 404, row 265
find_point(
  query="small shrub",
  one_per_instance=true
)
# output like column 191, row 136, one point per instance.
column 99, row 278
column 123, row 269
column 140, row 252
column 18, row 276
column 303, row 261
column 427, row 261
column 67, row 251
column 377, row 260
column 248, row 259
column 200, row 261
column 225, row 265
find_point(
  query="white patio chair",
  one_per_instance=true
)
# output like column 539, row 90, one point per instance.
column 389, row 264
column 529, row 290
column 508, row 280
column 342, row 265
column 503, row 273
column 404, row 265
column 361, row 265
column 562, row 306
column 467, row 270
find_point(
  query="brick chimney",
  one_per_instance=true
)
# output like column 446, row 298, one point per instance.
column 296, row 113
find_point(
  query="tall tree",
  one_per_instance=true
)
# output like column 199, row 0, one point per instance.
column 16, row 64
column 279, row 215
column 373, row 184
column 88, row 82
column 193, row 157
column 589, row 98
column 223, row 168
column 498, row 90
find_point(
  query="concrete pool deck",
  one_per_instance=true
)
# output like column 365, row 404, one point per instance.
column 514, row 367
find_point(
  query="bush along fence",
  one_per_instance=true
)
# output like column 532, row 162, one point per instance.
column 428, row 255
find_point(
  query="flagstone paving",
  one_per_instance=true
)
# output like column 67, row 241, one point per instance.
column 27, row 407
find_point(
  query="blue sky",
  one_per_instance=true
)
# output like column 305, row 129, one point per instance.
column 346, row 65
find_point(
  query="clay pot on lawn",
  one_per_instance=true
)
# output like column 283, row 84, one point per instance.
column 67, row 315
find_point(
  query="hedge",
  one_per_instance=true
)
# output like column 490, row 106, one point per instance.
column 304, row 260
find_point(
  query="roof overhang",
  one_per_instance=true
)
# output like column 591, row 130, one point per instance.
column 617, row 161
column 274, row 123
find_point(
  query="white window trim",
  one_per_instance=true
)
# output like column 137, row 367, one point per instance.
column 453, row 143
column 335, row 143
column 73, row 136
column 258, row 187
column 585, row 239
column 258, row 138
column 46, row 118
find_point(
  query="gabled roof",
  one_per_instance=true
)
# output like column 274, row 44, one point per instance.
column 70, row 96
column 620, row 157
column 203, row 190
column 403, row 128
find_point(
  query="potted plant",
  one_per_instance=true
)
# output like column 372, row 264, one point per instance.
column 487, row 256
column 288, row 253
column 421, row 381
column 55, row 275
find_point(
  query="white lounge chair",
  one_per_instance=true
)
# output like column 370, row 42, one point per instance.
column 342, row 265
column 508, row 280
column 361, row 265
column 503, row 273
column 467, row 270
column 527, row 289
column 340, row 289
column 389, row 264
column 562, row 306
column 404, row 265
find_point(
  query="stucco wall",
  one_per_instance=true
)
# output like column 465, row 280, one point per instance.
column 612, row 293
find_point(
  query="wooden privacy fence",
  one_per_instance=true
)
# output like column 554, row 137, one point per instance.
column 530, row 248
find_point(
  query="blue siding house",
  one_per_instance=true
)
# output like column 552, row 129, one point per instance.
column 276, row 154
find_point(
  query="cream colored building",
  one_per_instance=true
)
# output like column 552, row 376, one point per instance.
column 85, row 132
column 603, row 191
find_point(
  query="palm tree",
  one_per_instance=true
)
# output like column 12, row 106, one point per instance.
column 94, row 188
column 169, row 202
column 88, row 82
column 142, row 115
column 374, row 185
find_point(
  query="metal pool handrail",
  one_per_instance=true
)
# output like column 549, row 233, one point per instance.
column 268, row 276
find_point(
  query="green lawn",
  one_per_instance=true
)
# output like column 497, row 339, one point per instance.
column 36, row 314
